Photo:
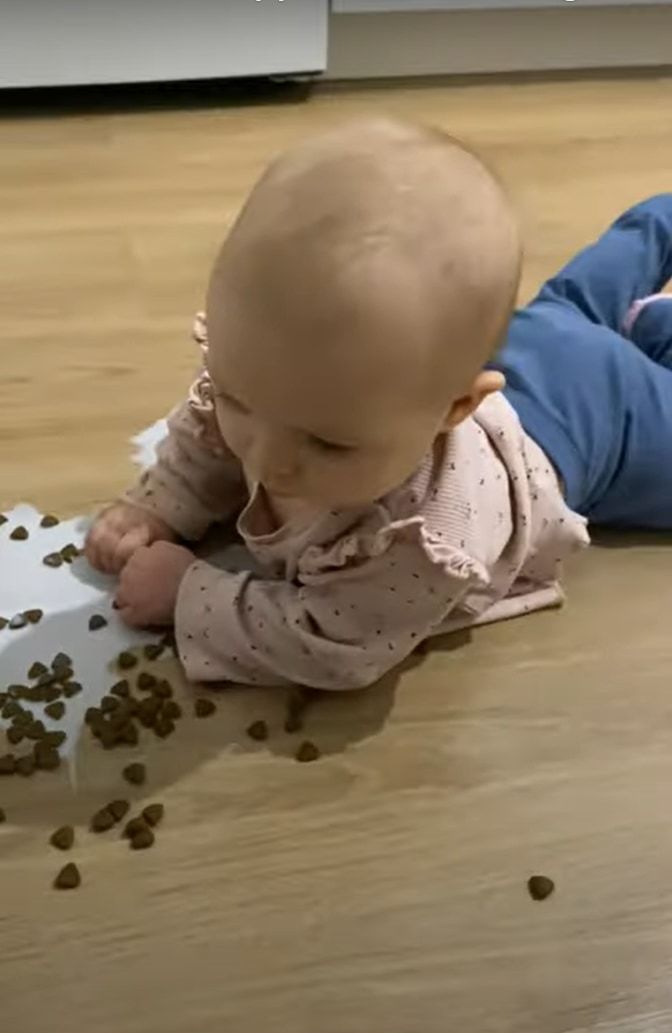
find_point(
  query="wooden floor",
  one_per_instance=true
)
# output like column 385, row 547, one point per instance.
column 382, row 889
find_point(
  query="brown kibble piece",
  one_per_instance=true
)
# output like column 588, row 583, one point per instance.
column 258, row 731
column 172, row 710
column 153, row 814
column 121, row 689
column 71, row 688
column 163, row 727
column 36, row 670
column 11, row 709
column 35, row 730
column 68, row 878
column 7, row 764
column 19, row 534
column 17, row 691
column 307, row 752
column 53, row 559
column 126, row 660
column 55, row 710
column 134, row 826
column 97, row 621
column 49, row 520
column 3, row 623
column 61, row 661
column 153, row 651
column 135, row 774
column 102, row 820
column 15, row 735
column 204, row 707
column 54, row 739
column 92, row 715
column 145, row 681
column 142, row 839
column 3, row 816
column 163, row 689
column 540, row 887
column 3, row 519
column 69, row 552
column 25, row 766
column 108, row 704
column 128, row 735
column 297, row 704
column 34, row 616
column 63, row 838
column 148, row 711
column 46, row 757
column 119, row 809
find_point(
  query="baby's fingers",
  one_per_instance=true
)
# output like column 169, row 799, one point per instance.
column 100, row 547
column 128, row 544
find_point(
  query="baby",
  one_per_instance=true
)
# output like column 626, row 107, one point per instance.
column 354, row 413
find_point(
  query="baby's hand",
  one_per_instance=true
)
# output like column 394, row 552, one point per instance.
column 121, row 530
column 150, row 582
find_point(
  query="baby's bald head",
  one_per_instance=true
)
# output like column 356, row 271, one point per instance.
column 366, row 282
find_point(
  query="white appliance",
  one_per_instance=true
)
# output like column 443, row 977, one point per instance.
column 68, row 42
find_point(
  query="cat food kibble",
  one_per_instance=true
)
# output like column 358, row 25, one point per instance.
column 540, row 887
column 163, row 689
column 49, row 520
column 55, row 710
column 134, row 826
column 153, row 651
column 142, row 839
column 121, row 689
column 34, row 616
column 126, row 660
column 3, row 816
column 63, row 838
column 102, row 820
column 3, row 519
column 119, row 809
column 25, row 766
column 54, row 739
column 36, row 669
column 204, row 707
column 258, row 731
column 15, row 735
column 71, row 688
column 172, row 710
column 69, row 552
column 145, row 681
column 97, row 621
column 7, row 764
column 68, row 878
column 47, row 758
column 307, row 752
column 53, row 559
column 61, row 662
column 153, row 814
column 135, row 774
column 19, row 534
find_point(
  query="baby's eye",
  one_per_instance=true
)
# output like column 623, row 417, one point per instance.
column 329, row 446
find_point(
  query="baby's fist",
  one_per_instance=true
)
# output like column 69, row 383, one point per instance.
column 119, row 531
column 150, row 582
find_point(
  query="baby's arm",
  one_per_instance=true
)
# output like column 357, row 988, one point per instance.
column 195, row 481
column 341, row 629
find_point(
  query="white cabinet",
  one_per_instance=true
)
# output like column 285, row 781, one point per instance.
column 58, row 42
column 420, row 6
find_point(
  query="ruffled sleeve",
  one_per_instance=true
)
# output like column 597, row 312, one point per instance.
column 196, row 479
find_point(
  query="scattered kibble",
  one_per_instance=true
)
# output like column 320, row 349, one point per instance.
column 36, row 670
column 60, row 661
column 3, row 623
column 172, row 710
column 35, row 730
column 49, row 520
column 19, row 534
column 71, row 688
column 102, row 820
column 97, row 621
column 134, row 826
column 63, row 838
column 53, row 559
column 69, row 552
column 153, row 814
column 204, row 707
column 3, row 519
column 540, row 887
column 108, row 704
column 54, row 739
column 19, row 620
column 135, row 774
column 146, row 681
column 258, row 731
column 142, row 840
column 11, row 709
column 163, row 689
column 307, row 752
column 7, row 764
column 297, row 704
column 34, row 616
column 163, row 727
column 126, row 660
column 121, row 689
column 119, row 809
column 153, row 651
column 55, row 710
column 15, row 735
column 3, row 816
column 46, row 757
column 68, row 878
column 25, row 766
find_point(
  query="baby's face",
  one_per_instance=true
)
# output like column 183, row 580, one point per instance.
column 328, row 424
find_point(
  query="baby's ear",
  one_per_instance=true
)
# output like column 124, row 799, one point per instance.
column 488, row 382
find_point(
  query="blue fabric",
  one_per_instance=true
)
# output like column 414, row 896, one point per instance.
column 598, row 403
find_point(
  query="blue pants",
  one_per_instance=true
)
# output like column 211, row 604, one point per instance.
column 600, row 403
